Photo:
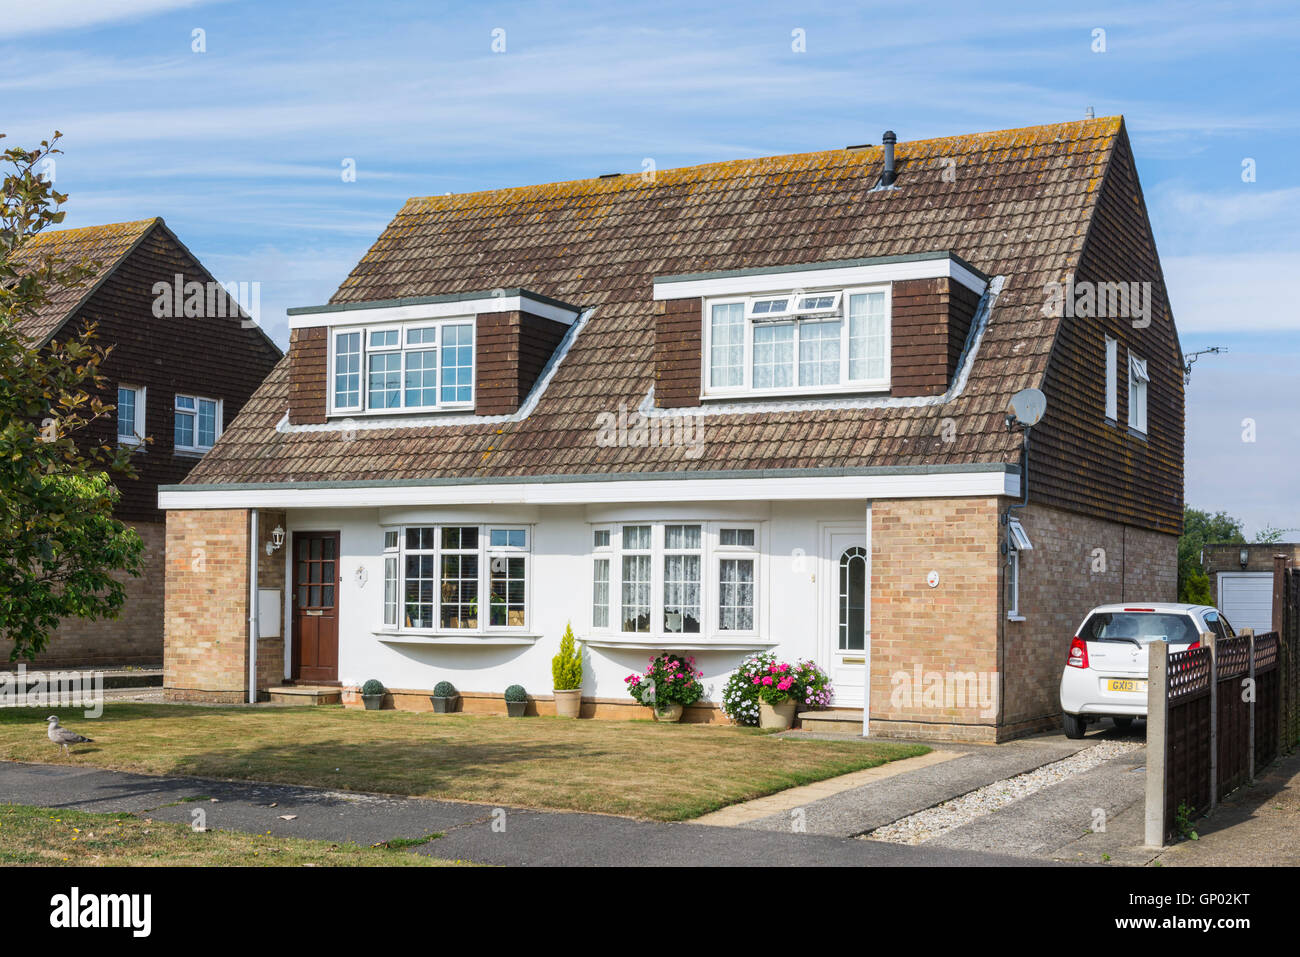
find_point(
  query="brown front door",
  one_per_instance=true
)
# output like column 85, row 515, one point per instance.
column 315, row 606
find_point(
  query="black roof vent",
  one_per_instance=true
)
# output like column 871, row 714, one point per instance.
column 888, row 176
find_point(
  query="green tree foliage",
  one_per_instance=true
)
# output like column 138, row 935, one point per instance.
column 566, row 667
column 59, row 543
column 1199, row 529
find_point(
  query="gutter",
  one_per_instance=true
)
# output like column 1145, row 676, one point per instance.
column 253, row 624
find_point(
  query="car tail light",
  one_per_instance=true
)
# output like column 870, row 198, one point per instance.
column 1195, row 644
column 1078, row 654
column 1139, row 609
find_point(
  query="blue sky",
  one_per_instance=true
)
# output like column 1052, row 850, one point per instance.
column 241, row 147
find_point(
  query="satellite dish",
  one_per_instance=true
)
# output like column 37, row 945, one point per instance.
column 1028, row 406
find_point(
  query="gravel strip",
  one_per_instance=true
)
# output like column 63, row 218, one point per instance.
column 924, row 825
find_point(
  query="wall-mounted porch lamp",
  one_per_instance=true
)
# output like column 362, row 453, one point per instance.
column 276, row 542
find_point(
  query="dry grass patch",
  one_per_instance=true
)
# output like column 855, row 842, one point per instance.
column 637, row 768
column 61, row 837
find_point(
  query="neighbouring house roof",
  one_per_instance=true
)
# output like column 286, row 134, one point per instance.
column 1014, row 204
column 101, row 247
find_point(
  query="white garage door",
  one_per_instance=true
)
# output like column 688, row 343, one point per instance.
column 1246, row 599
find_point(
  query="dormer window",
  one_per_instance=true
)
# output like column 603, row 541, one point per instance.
column 421, row 365
column 822, row 341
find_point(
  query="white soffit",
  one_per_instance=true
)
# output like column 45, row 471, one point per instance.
column 754, row 283
column 362, row 315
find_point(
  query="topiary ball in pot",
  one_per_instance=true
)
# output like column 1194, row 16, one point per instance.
column 516, row 701
column 372, row 694
column 444, row 698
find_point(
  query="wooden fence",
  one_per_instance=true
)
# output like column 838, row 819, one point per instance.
column 1218, row 713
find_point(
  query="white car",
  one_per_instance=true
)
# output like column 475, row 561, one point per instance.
column 1106, row 668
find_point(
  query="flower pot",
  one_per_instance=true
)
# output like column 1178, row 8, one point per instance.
column 778, row 716
column 668, row 713
column 373, row 702
column 568, row 703
column 516, row 709
column 445, row 705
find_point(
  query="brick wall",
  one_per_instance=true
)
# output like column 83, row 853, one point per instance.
column 1077, row 563
column 309, row 375
column 135, row 637
column 679, row 348
column 512, row 349
column 949, row 631
column 206, row 624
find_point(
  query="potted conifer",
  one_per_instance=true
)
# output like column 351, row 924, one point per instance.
column 566, row 670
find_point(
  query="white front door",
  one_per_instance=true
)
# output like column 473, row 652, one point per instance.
column 846, row 600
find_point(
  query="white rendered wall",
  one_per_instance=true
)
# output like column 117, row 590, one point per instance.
column 790, row 593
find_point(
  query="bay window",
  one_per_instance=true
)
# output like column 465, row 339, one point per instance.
column 798, row 342
column 424, row 365
column 675, row 579
column 445, row 569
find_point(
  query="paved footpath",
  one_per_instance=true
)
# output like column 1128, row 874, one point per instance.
column 469, row 831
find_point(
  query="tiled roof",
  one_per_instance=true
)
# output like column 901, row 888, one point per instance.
column 1015, row 204
column 101, row 247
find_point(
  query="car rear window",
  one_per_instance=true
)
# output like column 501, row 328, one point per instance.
column 1144, row 626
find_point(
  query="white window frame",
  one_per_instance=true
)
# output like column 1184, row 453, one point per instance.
column 1139, row 380
column 197, row 447
column 138, row 426
column 403, row 348
column 840, row 311
column 712, row 553
column 1013, row 585
column 1112, row 379
column 485, row 552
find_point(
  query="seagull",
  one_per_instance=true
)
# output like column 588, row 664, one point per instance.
column 61, row 735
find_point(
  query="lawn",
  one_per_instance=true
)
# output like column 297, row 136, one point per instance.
column 664, row 772
column 61, row 837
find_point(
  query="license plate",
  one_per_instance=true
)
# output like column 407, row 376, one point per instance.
column 1126, row 684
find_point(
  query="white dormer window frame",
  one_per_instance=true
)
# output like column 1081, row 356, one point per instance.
column 781, row 344
column 386, row 353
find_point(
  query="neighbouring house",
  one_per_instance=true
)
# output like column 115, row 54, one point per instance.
column 178, row 378
column 746, row 406
column 1241, row 580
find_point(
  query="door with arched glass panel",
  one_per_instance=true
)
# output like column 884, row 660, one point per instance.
column 848, row 599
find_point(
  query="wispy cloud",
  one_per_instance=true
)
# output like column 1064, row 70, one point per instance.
column 20, row 17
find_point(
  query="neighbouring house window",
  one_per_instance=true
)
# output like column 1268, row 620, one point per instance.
column 444, row 571
column 675, row 579
column 1138, row 378
column 853, row 599
column 130, row 414
column 1112, row 379
column 833, row 340
column 197, row 424
column 420, row 365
